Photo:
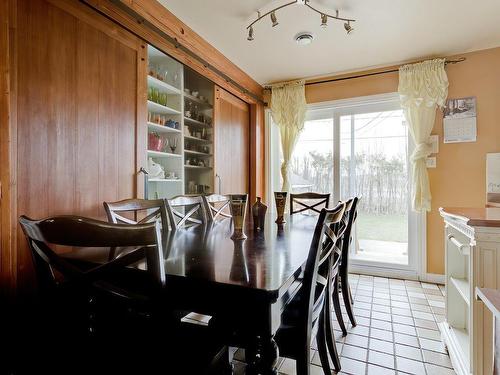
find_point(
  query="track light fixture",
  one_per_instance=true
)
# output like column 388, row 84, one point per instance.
column 324, row 17
column 348, row 28
column 274, row 20
column 324, row 20
column 250, row 34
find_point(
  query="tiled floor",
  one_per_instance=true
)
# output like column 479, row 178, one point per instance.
column 396, row 332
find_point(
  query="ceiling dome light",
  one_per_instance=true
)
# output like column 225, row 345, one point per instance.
column 324, row 20
column 304, row 39
column 250, row 33
column 348, row 28
column 274, row 20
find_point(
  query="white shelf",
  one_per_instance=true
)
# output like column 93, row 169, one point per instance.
column 163, row 86
column 164, row 180
column 197, row 153
column 191, row 121
column 201, row 140
column 158, row 108
column 159, row 154
column 198, row 101
column 196, row 167
column 462, row 286
column 161, row 128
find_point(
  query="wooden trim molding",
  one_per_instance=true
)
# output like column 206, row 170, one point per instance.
column 152, row 22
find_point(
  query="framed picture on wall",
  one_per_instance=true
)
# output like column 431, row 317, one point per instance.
column 493, row 180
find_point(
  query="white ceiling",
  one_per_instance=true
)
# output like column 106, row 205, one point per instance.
column 386, row 32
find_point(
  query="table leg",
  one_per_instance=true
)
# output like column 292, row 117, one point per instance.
column 262, row 356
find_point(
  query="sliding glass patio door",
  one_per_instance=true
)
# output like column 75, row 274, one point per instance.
column 361, row 148
column 373, row 152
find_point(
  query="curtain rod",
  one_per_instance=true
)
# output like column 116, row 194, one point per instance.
column 459, row 60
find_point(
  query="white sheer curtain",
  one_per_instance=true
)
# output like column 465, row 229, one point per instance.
column 288, row 108
column 422, row 87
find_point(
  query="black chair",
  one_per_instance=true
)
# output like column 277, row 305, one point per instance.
column 185, row 211
column 102, row 314
column 215, row 204
column 344, row 263
column 308, row 202
column 304, row 317
column 138, row 211
column 341, row 282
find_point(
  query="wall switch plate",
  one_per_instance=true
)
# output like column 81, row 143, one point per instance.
column 434, row 141
column 430, row 162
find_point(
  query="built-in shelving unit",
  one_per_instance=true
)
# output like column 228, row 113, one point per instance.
column 198, row 133
column 165, row 124
column 180, row 123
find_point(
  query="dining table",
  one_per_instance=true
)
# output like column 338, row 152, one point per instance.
column 244, row 285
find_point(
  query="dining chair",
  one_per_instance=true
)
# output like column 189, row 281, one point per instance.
column 123, row 305
column 308, row 202
column 186, row 210
column 138, row 211
column 215, row 204
column 304, row 317
column 349, row 220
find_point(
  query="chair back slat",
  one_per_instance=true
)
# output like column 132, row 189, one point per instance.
column 315, row 282
column 215, row 204
column 143, row 210
column 308, row 202
column 193, row 211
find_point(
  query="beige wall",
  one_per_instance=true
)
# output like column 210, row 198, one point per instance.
column 459, row 179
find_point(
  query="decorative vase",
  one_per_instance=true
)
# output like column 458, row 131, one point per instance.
column 155, row 142
column 280, row 198
column 259, row 214
column 238, row 206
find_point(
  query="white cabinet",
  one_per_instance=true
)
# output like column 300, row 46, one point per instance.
column 472, row 244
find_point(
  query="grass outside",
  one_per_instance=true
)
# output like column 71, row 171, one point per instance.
column 382, row 227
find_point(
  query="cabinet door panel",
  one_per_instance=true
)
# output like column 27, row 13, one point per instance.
column 232, row 143
column 77, row 114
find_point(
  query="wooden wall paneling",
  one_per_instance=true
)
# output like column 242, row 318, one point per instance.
column 232, row 142
column 7, row 148
column 134, row 14
column 78, row 114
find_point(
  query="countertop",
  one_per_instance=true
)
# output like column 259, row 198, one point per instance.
column 475, row 217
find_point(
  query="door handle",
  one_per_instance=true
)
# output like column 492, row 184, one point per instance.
column 220, row 182
column 146, row 180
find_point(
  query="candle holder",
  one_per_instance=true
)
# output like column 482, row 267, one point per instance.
column 280, row 198
column 238, row 206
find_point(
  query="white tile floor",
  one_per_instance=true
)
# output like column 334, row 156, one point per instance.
column 396, row 332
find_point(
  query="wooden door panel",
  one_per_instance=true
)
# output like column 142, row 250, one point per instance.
column 232, row 142
column 77, row 114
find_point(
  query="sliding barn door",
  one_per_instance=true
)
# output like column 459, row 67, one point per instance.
column 79, row 81
column 232, row 118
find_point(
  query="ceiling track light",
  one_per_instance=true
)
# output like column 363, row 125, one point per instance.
column 348, row 28
column 324, row 20
column 274, row 20
column 250, row 34
column 324, row 17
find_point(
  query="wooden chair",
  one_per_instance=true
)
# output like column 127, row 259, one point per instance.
column 142, row 210
column 193, row 211
column 122, row 304
column 305, row 315
column 308, row 202
column 215, row 204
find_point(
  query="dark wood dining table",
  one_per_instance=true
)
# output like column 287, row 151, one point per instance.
column 244, row 283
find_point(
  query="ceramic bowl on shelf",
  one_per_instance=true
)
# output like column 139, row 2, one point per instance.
column 195, row 94
column 187, row 91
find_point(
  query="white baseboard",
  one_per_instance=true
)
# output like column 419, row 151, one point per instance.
column 434, row 278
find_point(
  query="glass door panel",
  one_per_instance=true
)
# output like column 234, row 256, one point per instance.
column 374, row 165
